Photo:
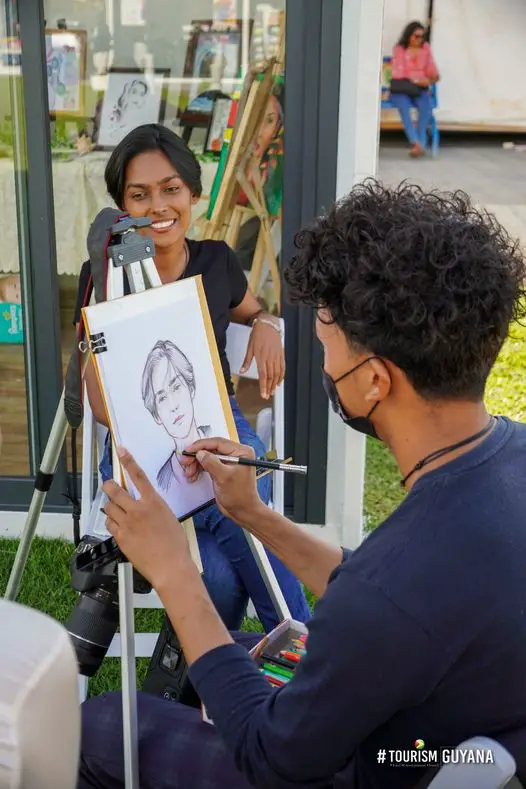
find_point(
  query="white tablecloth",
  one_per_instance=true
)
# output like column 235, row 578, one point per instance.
column 79, row 193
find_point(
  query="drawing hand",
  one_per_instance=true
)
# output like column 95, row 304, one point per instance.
column 146, row 530
column 235, row 486
column 190, row 466
column 266, row 347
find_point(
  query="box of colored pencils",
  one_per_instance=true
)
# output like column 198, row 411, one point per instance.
column 278, row 654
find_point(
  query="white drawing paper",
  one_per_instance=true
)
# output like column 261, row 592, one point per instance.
column 160, row 384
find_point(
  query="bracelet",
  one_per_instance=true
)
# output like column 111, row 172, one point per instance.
column 268, row 322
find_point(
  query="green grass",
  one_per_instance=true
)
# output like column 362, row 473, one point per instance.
column 45, row 584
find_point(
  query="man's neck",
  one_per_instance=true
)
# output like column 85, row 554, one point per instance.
column 432, row 428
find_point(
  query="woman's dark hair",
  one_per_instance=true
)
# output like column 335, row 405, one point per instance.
column 408, row 31
column 424, row 280
column 151, row 137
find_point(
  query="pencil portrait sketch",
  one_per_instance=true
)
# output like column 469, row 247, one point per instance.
column 163, row 386
column 168, row 393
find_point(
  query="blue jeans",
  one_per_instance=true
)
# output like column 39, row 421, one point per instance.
column 230, row 572
column 424, row 106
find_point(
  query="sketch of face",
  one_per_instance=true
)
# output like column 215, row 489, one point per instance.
column 137, row 93
column 154, row 189
column 173, row 400
column 132, row 98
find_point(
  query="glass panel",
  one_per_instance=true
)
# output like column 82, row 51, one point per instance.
column 14, row 445
column 115, row 64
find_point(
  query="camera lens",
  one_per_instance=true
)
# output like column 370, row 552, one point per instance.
column 91, row 626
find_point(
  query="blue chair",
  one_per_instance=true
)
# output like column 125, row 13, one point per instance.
column 434, row 134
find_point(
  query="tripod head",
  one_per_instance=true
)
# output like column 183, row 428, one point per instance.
column 127, row 245
column 126, row 224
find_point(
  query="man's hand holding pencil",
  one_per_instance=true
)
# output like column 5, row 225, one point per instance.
column 234, row 485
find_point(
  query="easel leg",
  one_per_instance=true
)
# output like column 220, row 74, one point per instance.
column 274, row 271
column 257, row 264
column 232, row 234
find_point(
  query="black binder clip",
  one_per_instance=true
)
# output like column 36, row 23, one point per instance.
column 97, row 343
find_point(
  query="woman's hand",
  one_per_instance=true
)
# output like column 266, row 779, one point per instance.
column 235, row 486
column 146, row 530
column 265, row 346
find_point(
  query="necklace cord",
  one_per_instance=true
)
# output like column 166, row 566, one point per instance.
column 438, row 453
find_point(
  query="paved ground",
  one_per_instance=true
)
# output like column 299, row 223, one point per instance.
column 493, row 176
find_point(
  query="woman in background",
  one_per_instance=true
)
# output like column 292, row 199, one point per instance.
column 413, row 73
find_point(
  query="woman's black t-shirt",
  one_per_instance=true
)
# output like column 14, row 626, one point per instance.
column 224, row 283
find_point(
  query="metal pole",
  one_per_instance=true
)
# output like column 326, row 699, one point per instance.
column 42, row 484
column 128, row 677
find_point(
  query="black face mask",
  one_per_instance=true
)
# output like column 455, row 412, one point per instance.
column 362, row 424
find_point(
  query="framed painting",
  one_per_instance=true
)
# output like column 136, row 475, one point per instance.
column 213, row 55
column 160, row 375
column 132, row 98
column 66, row 72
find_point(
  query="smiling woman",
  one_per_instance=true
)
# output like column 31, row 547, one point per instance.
column 152, row 173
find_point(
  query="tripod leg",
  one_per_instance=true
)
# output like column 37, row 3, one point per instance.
column 128, row 677
column 43, row 482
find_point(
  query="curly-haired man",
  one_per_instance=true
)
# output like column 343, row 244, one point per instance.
column 419, row 634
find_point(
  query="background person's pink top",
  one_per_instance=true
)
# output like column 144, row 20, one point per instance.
column 413, row 65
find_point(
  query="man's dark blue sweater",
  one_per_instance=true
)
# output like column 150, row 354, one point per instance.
column 421, row 634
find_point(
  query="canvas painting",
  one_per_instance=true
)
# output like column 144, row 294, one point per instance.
column 65, row 63
column 162, row 383
column 131, row 99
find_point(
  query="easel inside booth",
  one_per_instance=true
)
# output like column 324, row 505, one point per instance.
column 248, row 185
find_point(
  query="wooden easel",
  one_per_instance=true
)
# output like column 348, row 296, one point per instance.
column 227, row 217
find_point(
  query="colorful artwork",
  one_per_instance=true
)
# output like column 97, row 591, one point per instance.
column 269, row 153
column 213, row 55
column 65, row 62
column 217, row 54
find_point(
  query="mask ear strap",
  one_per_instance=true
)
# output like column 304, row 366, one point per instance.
column 356, row 367
column 372, row 409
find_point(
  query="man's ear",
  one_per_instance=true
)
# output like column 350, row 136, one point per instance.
column 381, row 382
column 195, row 199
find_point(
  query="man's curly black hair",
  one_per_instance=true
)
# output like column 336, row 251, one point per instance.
column 423, row 279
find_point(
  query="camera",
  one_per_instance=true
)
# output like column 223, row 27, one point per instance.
column 94, row 619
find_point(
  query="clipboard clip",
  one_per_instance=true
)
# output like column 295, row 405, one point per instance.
column 96, row 344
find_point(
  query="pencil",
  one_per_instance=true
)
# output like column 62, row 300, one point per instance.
column 274, row 465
